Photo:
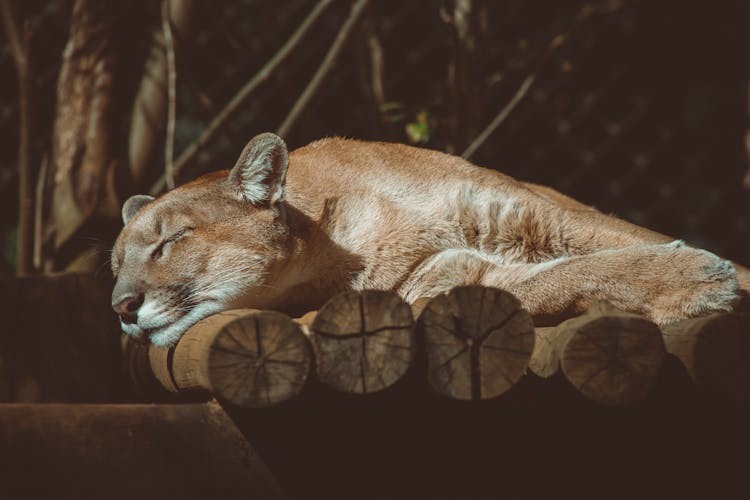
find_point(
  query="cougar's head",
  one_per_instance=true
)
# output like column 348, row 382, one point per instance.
column 203, row 247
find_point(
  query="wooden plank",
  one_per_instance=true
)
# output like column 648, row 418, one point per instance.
column 127, row 451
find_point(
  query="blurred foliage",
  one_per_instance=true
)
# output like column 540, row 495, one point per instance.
column 639, row 109
column 392, row 111
column 418, row 131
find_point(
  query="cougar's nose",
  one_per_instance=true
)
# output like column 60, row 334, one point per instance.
column 127, row 308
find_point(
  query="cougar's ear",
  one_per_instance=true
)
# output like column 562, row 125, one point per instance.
column 133, row 204
column 260, row 171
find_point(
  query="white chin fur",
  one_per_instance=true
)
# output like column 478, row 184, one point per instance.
column 169, row 335
column 131, row 329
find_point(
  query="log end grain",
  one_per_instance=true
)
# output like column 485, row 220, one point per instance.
column 364, row 340
column 248, row 358
column 716, row 353
column 478, row 340
column 612, row 357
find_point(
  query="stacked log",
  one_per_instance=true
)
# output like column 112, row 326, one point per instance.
column 609, row 356
column 359, row 343
column 248, row 358
column 715, row 351
column 478, row 341
column 364, row 341
column 475, row 344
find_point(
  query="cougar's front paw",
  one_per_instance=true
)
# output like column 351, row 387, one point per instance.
column 700, row 283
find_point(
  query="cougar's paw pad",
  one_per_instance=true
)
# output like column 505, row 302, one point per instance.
column 715, row 286
column 705, row 284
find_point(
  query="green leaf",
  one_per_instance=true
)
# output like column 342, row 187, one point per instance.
column 418, row 131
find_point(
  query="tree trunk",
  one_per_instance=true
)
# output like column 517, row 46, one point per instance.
column 96, row 84
column 82, row 128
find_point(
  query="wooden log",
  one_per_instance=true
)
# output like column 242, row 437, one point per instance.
column 478, row 341
column 126, row 451
column 545, row 358
column 160, row 362
column 249, row 358
column 418, row 306
column 715, row 351
column 147, row 385
column 364, row 341
column 610, row 356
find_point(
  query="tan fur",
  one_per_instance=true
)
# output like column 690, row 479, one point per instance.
column 358, row 215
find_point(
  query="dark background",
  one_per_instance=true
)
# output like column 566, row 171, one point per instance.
column 641, row 110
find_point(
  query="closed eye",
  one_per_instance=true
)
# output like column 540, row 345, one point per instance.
column 159, row 250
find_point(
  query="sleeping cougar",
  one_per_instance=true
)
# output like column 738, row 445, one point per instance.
column 288, row 230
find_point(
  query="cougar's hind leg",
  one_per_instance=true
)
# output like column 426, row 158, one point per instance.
column 571, row 229
column 665, row 282
column 593, row 231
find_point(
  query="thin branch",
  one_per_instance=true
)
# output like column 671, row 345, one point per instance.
column 20, row 48
column 221, row 119
column 11, row 28
column 355, row 14
column 500, row 118
column 166, row 23
column 39, row 206
column 376, row 66
column 459, row 74
column 585, row 13
column 746, row 180
column 377, row 76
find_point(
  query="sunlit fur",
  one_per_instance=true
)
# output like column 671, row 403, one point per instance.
column 288, row 232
